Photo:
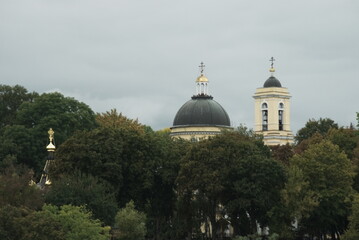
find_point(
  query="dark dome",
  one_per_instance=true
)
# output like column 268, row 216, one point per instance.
column 272, row 82
column 201, row 110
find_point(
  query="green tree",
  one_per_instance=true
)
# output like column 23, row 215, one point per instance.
column 232, row 169
column 76, row 222
column 130, row 223
column 11, row 97
column 352, row 233
column 28, row 138
column 138, row 163
column 282, row 153
column 16, row 141
column 126, row 158
column 328, row 173
column 115, row 120
column 16, row 190
column 346, row 138
column 40, row 225
column 313, row 126
column 161, row 206
column 10, row 226
column 297, row 202
column 107, row 154
column 84, row 190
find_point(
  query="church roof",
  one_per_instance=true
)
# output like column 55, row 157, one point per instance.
column 201, row 110
column 272, row 82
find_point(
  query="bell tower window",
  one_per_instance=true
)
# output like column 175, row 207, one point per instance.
column 264, row 117
column 280, row 116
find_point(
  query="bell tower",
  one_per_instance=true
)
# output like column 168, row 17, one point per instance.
column 272, row 111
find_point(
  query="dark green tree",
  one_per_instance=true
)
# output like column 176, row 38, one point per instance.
column 328, row 173
column 16, row 141
column 232, row 170
column 84, row 190
column 347, row 139
column 40, row 225
column 352, row 233
column 313, row 126
column 161, row 206
column 76, row 222
column 17, row 189
column 27, row 139
column 11, row 97
column 282, row 153
column 10, row 226
column 130, row 223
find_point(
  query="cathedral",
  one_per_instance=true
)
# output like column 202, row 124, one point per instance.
column 202, row 117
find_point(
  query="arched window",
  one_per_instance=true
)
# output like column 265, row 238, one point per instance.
column 264, row 117
column 280, row 116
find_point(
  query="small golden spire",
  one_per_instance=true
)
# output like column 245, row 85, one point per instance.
column 51, row 147
column 51, row 134
column 202, row 78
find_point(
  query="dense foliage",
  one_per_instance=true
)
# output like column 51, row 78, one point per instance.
column 130, row 223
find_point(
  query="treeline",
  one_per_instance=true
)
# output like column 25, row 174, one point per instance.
column 114, row 177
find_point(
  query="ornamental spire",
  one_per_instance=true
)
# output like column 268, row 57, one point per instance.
column 51, row 147
column 202, row 66
column 272, row 70
column 202, row 82
column 45, row 179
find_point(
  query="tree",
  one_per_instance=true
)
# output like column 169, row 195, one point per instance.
column 297, row 202
column 40, row 225
column 329, row 174
column 11, row 97
column 282, row 153
column 352, row 233
column 347, row 139
column 130, row 223
column 161, row 206
column 16, row 190
column 27, row 138
column 232, row 170
column 201, row 178
column 116, row 120
column 10, row 226
column 313, row 126
column 76, row 222
column 138, row 163
column 16, row 141
column 84, row 190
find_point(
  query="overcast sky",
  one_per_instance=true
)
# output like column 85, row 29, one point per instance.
column 142, row 56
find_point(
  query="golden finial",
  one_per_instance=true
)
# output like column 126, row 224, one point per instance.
column 202, row 78
column 51, row 147
column 272, row 70
column 51, row 134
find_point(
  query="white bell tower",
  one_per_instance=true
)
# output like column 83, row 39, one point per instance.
column 272, row 112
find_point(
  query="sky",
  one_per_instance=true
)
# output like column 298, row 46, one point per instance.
column 141, row 57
